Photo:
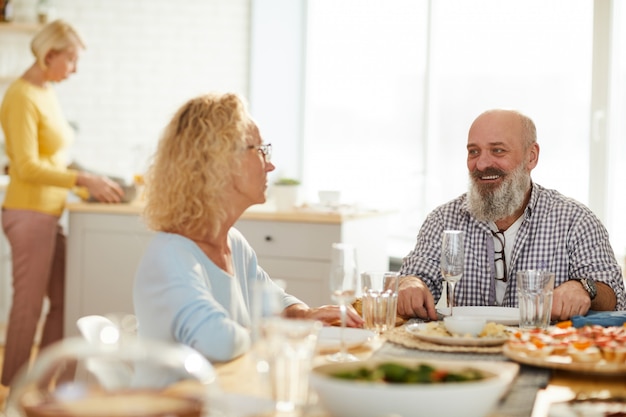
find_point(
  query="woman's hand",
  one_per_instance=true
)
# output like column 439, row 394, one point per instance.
column 101, row 188
column 330, row 315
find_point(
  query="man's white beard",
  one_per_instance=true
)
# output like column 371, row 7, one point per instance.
column 487, row 204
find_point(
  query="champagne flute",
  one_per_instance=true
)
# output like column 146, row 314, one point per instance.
column 343, row 286
column 452, row 259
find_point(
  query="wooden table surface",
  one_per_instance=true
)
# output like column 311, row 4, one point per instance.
column 240, row 377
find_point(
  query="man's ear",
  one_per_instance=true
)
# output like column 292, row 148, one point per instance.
column 533, row 156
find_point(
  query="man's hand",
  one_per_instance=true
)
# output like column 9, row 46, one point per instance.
column 415, row 299
column 569, row 299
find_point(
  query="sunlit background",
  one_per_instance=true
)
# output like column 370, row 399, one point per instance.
column 370, row 97
column 390, row 89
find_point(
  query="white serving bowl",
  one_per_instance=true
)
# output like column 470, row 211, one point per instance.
column 346, row 398
column 464, row 325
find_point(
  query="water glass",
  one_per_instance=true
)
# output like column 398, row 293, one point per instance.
column 292, row 345
column 379, row 300
column 266, row 303
column 534, row 290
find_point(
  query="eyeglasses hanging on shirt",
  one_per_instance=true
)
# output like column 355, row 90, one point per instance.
column 499, row 257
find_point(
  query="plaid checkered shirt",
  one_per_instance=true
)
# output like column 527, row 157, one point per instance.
column 557, row 233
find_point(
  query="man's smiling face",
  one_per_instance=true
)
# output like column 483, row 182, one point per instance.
column 495, row 148
column 499, row 162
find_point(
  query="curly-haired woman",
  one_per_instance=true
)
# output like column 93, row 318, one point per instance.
column 195, row 281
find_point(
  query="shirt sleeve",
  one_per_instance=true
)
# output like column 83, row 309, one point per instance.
column 423, row 260
column 591, row 256
column 22, row 134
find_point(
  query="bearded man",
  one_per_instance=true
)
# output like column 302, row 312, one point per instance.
column 512, row 224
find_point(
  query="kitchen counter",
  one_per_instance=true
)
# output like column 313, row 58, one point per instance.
column 259, row 212
column 106, row 241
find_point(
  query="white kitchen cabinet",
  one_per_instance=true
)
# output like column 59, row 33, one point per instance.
column 106, row 242
column 6, row 279
column 103, row 250
column 299, row 252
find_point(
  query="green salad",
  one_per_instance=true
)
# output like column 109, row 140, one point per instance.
column 396, row 373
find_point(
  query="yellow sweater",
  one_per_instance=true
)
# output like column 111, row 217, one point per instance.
column 36, row 136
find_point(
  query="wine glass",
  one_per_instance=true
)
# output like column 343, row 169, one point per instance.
column 343, row 286
column 452, row 259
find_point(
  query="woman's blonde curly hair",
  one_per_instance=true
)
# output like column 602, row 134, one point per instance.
column 195, row 162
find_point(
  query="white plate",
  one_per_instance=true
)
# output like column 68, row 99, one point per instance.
column 417, row 329
column 509, row 316
column 328, row 338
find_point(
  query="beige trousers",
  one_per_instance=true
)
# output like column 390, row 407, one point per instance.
column 38, row 256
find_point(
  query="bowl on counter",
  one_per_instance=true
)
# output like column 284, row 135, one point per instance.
column 130, row 192
column 374, row 398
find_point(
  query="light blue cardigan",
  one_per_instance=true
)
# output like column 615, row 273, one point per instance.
column 180, row 295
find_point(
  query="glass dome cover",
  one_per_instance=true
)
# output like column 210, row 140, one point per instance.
column 115, row 378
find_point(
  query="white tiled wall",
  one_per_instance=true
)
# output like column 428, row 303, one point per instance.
column 144, row 58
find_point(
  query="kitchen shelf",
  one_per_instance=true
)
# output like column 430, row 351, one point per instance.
column 20, row 27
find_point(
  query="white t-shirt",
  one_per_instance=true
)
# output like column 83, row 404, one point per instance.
column 509, row 241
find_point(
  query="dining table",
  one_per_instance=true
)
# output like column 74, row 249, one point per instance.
column 533, row 393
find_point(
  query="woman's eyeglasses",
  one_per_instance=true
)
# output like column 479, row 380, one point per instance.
column 265, row 149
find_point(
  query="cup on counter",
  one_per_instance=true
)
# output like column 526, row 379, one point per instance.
column 379, row 300
column 291, row 344
column 329, row 198
column 534, row 290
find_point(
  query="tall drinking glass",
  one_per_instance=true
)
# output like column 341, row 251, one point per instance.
column 343, row 287
column 452, row 259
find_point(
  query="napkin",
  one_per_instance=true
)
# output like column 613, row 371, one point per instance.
column 602, row 318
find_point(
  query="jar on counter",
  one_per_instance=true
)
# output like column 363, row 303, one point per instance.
column 44, row 11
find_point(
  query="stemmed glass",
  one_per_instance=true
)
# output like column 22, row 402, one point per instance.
column 343, row 286
column 452, row 259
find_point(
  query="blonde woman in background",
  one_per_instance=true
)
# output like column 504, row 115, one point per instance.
column 194, row 283
column 37, row 136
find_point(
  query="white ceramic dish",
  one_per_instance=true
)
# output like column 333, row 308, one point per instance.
column 344, row 398
column 464, row 325
column 508, row 316
column 329, row 338
column 417, row 329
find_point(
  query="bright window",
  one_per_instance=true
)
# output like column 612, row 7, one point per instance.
column 392, row 87
column 616, row 194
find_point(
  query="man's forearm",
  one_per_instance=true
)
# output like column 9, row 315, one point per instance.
column 605, row 299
